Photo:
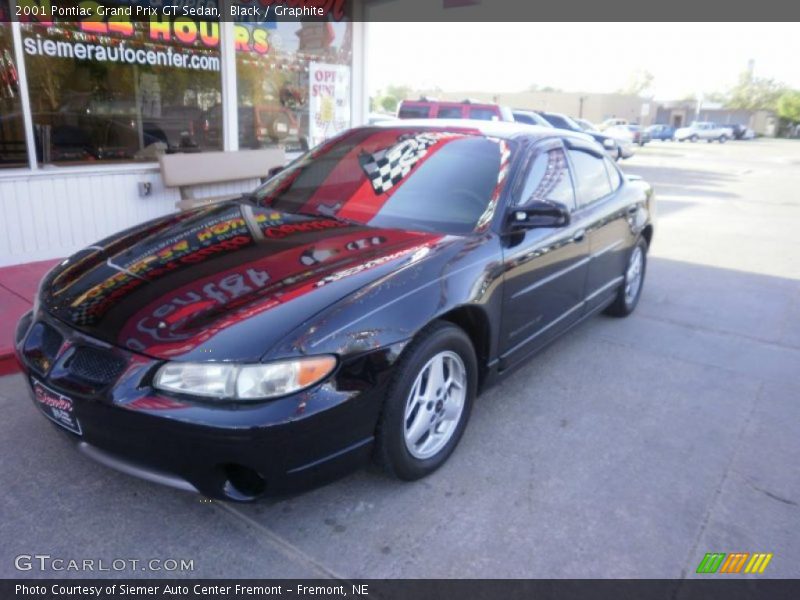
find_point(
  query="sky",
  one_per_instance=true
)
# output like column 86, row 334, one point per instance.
column 684, row 58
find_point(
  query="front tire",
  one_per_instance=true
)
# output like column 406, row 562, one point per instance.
column 630, row 290
column 428, row 403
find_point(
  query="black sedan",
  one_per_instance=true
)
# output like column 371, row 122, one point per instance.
column 350, row 308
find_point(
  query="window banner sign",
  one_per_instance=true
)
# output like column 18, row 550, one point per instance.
column 329, row 100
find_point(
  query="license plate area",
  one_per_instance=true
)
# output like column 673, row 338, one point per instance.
column 57, row 407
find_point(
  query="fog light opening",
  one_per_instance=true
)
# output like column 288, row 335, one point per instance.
column 243, row 483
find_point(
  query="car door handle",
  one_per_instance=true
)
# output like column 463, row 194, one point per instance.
column 578, row 236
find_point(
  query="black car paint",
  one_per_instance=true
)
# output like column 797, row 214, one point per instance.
column 559, row 121
column 512, row 292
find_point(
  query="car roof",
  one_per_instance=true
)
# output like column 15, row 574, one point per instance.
column 499, row 129
column 431, row 102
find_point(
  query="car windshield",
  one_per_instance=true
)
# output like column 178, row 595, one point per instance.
column 429, row 179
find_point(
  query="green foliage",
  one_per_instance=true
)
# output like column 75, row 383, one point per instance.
column 788, row 105
column 399, row 92
column 389, row 104
column 755, row 93
column 720, row 97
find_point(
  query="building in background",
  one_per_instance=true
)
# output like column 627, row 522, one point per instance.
column 87, row 107
column 681, row 113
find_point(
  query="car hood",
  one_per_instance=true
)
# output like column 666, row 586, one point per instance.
column 223, row 282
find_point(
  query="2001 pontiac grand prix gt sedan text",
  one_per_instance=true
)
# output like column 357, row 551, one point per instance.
column 351, row 307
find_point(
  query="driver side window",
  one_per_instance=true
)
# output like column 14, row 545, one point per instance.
column 548, row 180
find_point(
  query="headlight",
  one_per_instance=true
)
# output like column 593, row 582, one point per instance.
column 243, row 381
column 609, row 143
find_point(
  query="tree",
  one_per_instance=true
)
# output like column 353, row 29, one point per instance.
column 400, row 92
column 788, row 106
column 720, row 97
column 389, row 104
column 755, row 93
column 640, row 83
column 534, row 87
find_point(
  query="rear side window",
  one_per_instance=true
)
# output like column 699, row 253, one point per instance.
column 548, row 180
column 591, row 177
column 556, row 121
column 483, row 114
column 414, row 112
column 449, row 112
column 523, row 118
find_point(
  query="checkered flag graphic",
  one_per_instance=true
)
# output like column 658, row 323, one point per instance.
column 386, row 168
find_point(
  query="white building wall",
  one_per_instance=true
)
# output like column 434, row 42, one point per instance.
column 51, row 215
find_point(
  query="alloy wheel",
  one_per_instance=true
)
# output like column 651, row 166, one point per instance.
column 633, row 275
column 435, row 405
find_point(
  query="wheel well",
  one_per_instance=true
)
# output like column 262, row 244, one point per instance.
column 647, row 234
column 475, row 324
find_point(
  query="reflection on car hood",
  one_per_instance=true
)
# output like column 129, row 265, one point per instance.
column 223, row 282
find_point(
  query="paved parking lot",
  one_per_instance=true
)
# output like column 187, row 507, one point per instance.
column 630, row 448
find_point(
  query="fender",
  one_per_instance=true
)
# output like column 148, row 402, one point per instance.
column 458, row 272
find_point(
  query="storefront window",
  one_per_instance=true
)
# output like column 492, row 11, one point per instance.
column 120, row 90
column 13, row 151
column 293, row 82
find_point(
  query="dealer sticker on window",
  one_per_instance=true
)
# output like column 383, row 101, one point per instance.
column 56, row 407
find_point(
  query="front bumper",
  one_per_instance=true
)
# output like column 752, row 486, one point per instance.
column 226, row 451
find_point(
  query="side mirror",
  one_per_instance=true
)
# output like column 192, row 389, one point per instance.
column 538, row 214
column 274, row 171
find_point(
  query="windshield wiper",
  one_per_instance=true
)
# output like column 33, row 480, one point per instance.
column 250, row 197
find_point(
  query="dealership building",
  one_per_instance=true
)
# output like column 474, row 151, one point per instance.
column 88, row 110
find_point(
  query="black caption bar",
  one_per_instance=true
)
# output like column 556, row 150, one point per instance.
column 375, row 589
column 403, row 10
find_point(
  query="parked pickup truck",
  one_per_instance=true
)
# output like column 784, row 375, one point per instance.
column 704, row 130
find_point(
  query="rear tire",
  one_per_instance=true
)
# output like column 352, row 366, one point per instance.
column 428, row 403
column 630, row 290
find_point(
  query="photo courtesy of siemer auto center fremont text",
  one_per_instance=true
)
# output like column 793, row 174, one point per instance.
column 399, row 299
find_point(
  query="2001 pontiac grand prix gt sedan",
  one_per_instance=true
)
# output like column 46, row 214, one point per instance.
column 353, row 306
